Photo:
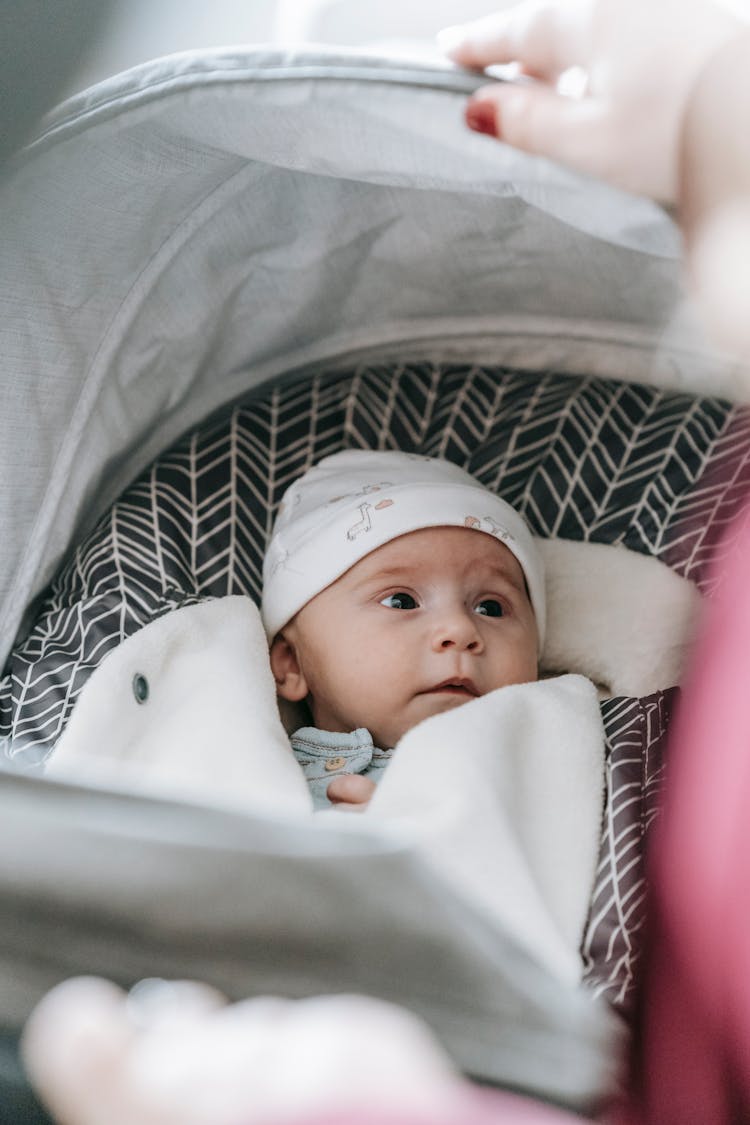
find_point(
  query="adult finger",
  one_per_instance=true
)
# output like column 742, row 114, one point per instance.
column 73, row 1048
column 720, row 276
column 546, row 38
column 536, row 119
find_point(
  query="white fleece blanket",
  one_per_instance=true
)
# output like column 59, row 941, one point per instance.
column 503, row 795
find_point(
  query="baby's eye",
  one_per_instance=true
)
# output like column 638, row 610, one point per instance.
column 490, row 607
column 401, row 600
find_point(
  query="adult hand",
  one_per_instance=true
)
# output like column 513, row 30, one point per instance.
column 177, row 1054
column 640, row 60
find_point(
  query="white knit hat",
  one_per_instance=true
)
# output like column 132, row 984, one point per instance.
column 353, row 502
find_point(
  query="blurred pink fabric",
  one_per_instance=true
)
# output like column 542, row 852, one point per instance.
column 481, row 1107
column 693, row 1052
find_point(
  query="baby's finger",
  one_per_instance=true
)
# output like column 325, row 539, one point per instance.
column 350, row 789
column 544, row 37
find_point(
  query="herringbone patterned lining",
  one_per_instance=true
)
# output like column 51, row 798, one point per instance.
column 635, row 732
column 581, row 458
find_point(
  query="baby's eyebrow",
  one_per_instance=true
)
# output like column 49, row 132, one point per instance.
column 387, row 573
column 507, row 575
column 404, row 571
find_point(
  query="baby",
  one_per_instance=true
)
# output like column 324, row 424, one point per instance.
column 396, row 591
column 395, row 588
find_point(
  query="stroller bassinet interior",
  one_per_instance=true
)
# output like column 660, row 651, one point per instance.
column 281, row 256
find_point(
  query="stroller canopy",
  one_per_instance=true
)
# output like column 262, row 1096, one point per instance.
column 215, row 222
column 210, row 221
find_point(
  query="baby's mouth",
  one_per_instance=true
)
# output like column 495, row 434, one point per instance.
column 460, row 687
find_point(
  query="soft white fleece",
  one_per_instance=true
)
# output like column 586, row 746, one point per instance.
column 502, row 794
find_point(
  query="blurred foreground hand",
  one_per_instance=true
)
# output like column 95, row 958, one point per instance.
column 175, row 1053
column 637, row 62
column 652, row 96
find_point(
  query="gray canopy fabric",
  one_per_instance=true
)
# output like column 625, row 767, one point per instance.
column 173, row 239
column 126, row 886
column 184, row 232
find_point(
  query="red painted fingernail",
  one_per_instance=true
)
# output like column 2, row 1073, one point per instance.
column 481, row 116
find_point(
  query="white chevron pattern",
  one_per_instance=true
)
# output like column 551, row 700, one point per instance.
column 636, row 735
column 581, row 458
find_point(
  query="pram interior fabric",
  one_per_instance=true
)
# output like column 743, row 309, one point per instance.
column 195, row 523
column 309, row 251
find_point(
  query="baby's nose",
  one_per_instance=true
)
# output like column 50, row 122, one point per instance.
column 457, row 630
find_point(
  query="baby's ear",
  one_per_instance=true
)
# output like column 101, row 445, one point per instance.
column 290, row 681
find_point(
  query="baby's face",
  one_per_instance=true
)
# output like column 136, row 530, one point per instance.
column 425, row 623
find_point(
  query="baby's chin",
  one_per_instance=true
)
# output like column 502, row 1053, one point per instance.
column 429, row 705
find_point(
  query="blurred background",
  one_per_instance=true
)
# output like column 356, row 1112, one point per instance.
column 138, row 30
column 52, row 49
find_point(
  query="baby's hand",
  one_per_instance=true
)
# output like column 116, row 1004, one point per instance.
column 350, row 792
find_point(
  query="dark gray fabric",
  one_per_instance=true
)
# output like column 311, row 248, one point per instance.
column 18, row 1105
column 636, row 739
column 41, row 44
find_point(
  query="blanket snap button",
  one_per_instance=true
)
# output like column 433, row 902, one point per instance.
column 140, row 687
column 335, row 764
